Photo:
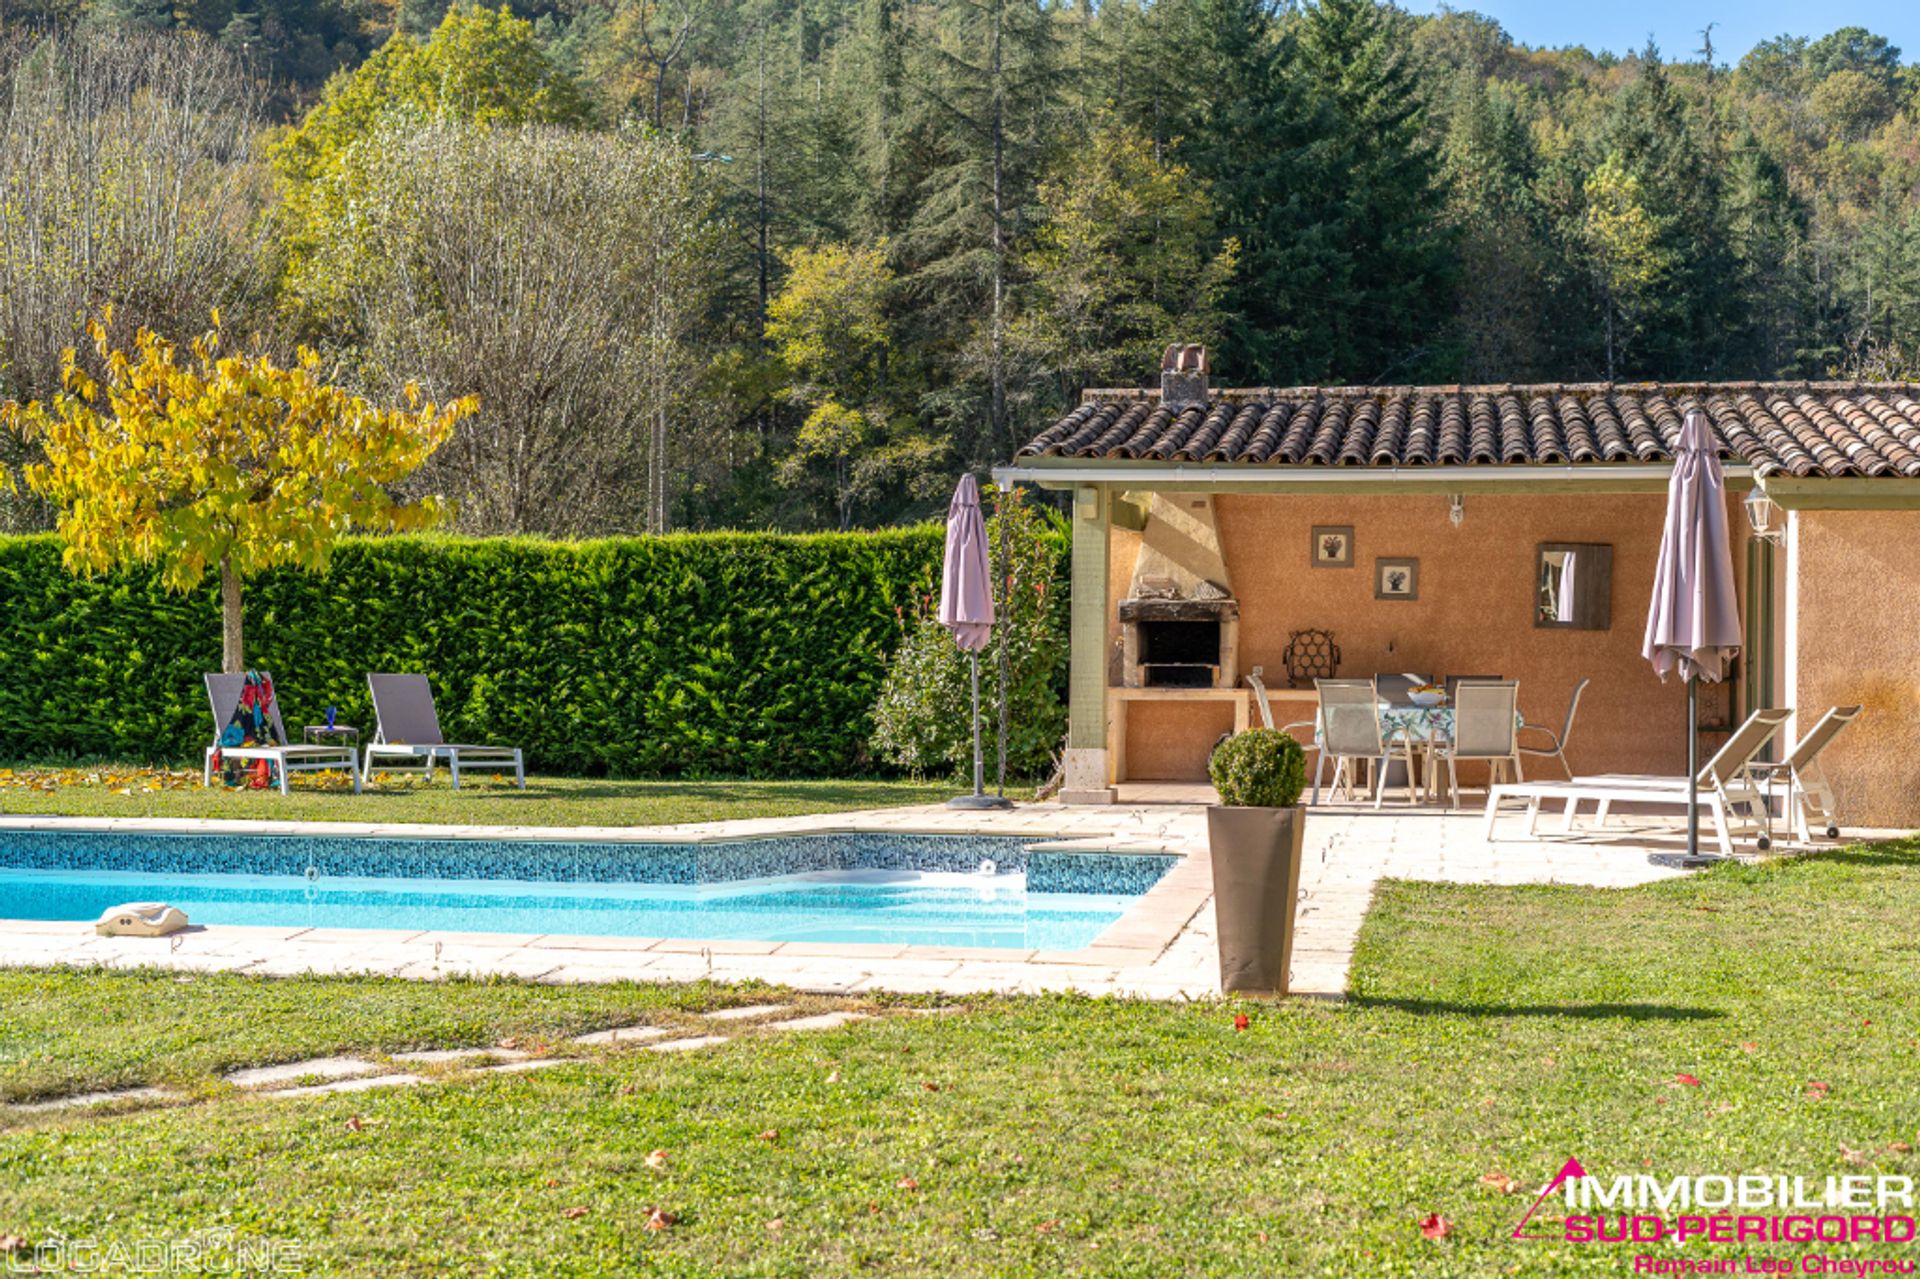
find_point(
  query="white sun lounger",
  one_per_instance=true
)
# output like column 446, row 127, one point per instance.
column 408, row 735
column 223, row 696
column 1728, row 793
column 1810, row 800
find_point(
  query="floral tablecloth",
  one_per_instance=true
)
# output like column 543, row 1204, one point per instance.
column 1420, row 723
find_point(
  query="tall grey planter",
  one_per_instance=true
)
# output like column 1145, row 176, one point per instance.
column 1256, row 890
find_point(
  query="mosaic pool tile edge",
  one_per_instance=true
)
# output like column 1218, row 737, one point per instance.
column 581, row 861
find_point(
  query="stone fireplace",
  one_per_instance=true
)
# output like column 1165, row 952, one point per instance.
column 1179, row 625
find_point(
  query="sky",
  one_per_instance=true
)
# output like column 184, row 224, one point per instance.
column 1623, row 25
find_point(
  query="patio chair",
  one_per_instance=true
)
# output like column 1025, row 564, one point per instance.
column 1455, row 681
column 1300, row 730
column 1556, row 747
column 1727, row 790
column 247, row 728
column 1483, row 731
column 1397, row 690
column 1809, row 798
column 1351, row 734
column 408, row 731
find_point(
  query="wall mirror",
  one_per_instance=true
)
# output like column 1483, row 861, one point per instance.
column 1573, row 586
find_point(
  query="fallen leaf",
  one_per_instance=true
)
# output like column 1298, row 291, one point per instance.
column 1851, row 1155
column 1899, row 1147
column 907, row 1183
column 1241, row 1021
column 659, row 1219
column 509, row 1042
column 1046, row 1227
column 833, row 1077
column 1500, row 1183
column 930, row 1086
column 777, row 1224
column 770, row 1134
column 658, row 1159
column 1434, row 1226
column 1749, row 1047
column 13, row 1243
column 1261, row 1236
column 551, row 1182
column 1818, row 1090
column 574, row 1214
column 355, row 1123
column 1688, row 1080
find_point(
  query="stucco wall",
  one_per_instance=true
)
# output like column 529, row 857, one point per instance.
column 1858, row 641
column 1474, row 615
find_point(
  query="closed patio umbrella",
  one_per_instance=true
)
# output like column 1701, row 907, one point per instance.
column 1693, row 624
column 966, row 609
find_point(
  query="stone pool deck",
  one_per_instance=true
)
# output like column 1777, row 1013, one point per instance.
column 1163, row 948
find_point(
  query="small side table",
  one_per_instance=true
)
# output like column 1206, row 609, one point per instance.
column 338, row 735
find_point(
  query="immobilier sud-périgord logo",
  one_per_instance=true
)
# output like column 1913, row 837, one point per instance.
column 1735, row 1224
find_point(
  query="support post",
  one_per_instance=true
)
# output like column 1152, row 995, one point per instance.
column 1089, row 778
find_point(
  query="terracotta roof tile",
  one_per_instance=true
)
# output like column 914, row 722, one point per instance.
column 1797, row 429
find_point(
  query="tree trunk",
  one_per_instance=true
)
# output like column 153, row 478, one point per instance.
column 233, row 659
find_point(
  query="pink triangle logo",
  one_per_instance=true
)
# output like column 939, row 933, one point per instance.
column 1571, row 1168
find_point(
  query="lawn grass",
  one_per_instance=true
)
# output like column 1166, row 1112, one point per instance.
column 117, row 791
column 1492, row 1031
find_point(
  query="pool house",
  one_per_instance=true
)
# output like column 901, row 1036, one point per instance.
column 1478, row 530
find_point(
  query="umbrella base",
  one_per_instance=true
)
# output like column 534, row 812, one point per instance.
column 1688, row 861
column 982, row 802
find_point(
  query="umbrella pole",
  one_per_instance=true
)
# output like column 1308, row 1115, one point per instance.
column 979, row 798
column 1693, row 768
column 979, row 766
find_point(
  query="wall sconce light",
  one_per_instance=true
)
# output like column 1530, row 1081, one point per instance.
column 1763, row 517
column 1456, row 510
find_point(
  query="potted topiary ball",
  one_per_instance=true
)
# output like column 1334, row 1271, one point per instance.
column 1253, row 835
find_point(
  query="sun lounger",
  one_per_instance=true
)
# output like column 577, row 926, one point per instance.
column 409, row 732
column 1728, row 792
column 1810, row 800
column 247, row 728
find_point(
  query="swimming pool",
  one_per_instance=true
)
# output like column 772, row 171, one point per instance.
column 907, row 889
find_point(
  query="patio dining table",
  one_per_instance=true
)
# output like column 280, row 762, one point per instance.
column 1428, row 725
column 1417, row 723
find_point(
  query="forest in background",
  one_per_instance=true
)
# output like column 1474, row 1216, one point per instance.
column 793, row 263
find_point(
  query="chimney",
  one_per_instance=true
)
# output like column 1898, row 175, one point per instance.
column 1183, row 374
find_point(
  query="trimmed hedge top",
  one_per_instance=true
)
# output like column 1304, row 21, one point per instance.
column 753, row 655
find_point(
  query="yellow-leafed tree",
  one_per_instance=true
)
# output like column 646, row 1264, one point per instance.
column 200, row 460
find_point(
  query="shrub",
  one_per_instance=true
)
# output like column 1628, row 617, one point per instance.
column 921, row 717
column 1260, row 768
column 690, row 655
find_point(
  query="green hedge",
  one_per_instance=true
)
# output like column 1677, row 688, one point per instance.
column 690, row 655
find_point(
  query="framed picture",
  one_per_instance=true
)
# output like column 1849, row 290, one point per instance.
column 1332, row 546
column 1396, row 579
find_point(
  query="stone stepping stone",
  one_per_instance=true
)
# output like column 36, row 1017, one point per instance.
column 742, row 1014
column 79, row 1100
column 365, row 1083
column 819, row 1021
column 687, row 1045
column 325, row 1068
column 441, row 1056
column 532, row 1063
column 621, row 1035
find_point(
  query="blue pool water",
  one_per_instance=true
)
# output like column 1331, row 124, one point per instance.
column 914, row 890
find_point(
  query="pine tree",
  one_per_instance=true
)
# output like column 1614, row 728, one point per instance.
column 1210, row 81
column 1651, row 134
column 1381, row 309
column 132, row 15
column 1488, row 164
column 987, row 85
